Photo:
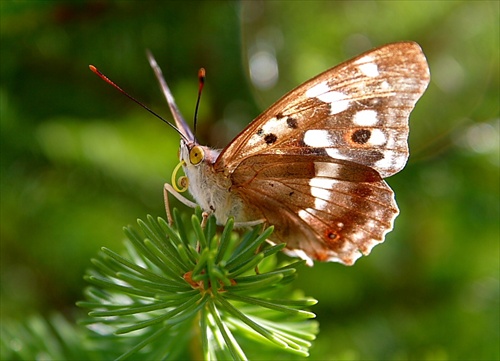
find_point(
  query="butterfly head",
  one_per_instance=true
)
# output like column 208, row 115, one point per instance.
column 194, row 155
column 195, row 160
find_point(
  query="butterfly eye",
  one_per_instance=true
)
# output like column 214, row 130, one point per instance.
column 196, row 155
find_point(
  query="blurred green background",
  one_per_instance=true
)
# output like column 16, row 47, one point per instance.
column 79, row 160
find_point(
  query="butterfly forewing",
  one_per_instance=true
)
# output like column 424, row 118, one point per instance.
column 357, row 111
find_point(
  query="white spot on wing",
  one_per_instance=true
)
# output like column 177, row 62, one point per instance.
column 317, row 138
column 384, row 163
column 377, row 137
column 364, row 59
column 365, row 118
column 323, row 169
column 272, row 126
column 335, row 153
column 399, row 161
column 320, row 193
column 338, row 101
column 317, row 90
column 369, row 69
column 320, row 204
column 325, row 183
column 392, row 162
column 305, row 215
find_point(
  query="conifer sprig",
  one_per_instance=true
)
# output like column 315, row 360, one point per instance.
column 188, row 290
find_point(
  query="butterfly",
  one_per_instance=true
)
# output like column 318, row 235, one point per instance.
column 313, row 164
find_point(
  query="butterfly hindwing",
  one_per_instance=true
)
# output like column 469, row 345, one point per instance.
column 329, row 210
column 356, row 111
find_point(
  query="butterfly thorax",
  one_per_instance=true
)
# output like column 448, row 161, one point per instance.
column 210, row 189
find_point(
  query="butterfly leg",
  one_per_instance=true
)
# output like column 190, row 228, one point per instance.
column 249, row 223
column 204, row 219
column 167, row 188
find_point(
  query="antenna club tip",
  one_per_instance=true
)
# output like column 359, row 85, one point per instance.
column 94, row 69
column 201, row 74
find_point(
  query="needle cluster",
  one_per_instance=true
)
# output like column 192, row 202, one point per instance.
column 184, row 290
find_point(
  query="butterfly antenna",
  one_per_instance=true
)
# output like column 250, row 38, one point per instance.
column 201, row 83
column 179, row 120
column 109, row 81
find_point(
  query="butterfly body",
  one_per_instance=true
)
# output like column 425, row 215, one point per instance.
column 313, row 164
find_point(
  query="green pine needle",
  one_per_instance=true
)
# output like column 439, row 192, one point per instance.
column 185, row 285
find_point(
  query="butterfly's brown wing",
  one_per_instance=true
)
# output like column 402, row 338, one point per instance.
column 341, row 133
column 324, row 209
column 357, row 111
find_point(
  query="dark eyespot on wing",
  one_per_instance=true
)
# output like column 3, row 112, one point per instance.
column 361, row 136
column 270, row 138
column 291, row 123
